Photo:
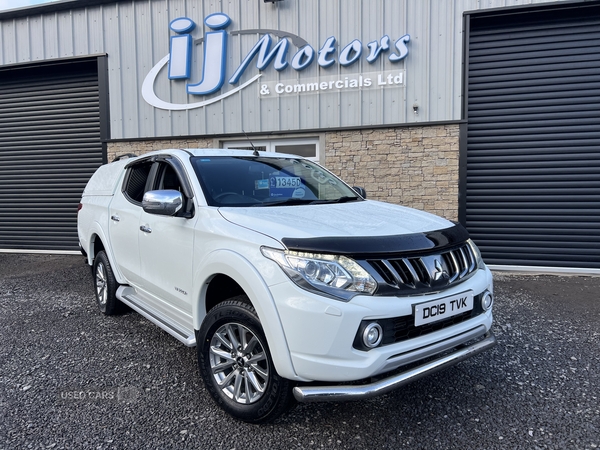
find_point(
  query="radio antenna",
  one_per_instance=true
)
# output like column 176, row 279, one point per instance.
column 253, row 147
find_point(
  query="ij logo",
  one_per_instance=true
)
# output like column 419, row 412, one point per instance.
column 214, row 64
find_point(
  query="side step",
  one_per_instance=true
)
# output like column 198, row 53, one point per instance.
column 128, row 295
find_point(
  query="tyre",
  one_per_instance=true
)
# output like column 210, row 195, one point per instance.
column 236, row 365
column 105, row 286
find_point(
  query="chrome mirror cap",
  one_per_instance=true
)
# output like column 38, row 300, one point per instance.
column 164, row 203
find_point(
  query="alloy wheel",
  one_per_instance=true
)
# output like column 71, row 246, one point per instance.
column 239, row 363
column 101, row 284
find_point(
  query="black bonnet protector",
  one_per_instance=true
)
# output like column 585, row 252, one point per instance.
column 365, row 246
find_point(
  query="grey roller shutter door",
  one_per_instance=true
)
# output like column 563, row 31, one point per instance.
column 533, row 143
column 49, row 147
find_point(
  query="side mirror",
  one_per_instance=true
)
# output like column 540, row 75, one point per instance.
column 163, row 203
column 360, row 191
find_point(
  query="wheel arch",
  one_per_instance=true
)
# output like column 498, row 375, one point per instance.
column 220, row 288
column 96, row 245
column 226, row 266
column 97, row 242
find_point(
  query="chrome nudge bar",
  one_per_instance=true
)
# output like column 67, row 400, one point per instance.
column 362, row 392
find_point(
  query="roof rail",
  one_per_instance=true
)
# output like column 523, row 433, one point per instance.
column 125, row 155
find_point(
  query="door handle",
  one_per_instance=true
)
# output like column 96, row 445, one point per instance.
column 146, row 229
column 115, row 218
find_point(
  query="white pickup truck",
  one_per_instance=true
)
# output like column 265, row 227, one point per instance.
column 290, row 283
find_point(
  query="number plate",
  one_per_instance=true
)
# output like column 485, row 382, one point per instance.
column 443, row 308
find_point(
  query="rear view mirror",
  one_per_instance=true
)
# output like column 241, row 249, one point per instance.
column 164, row 203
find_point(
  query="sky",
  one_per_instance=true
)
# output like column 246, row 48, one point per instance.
column 12, row 4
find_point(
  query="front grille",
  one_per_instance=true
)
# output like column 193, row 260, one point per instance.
column 398, row 329
column 426, row 273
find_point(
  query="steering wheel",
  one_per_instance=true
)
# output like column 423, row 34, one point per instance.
column 224, row 194
column 235, row 198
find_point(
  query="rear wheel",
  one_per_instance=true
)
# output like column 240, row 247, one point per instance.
column 236, row 364
column 105, row 286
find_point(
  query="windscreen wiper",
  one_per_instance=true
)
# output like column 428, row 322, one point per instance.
column 287, row 202
column 337, row 200
column 302, row 201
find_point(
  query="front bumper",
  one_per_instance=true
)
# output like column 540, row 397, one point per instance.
column 320, row 331
column 361, row 392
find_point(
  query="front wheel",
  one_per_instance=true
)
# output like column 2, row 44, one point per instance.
column 236, row 365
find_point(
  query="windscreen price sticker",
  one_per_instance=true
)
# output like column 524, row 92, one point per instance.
column 285, row 182
column 286, row 187
column 443, row 308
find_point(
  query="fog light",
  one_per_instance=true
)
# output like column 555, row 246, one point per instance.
column 372, row 335
column 487, row 300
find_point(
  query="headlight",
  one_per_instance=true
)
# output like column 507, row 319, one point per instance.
column 477, row 254
column 336, row 275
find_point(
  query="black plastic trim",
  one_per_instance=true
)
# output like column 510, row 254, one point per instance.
column 368, row 246
column 104, row 104
column 180, row 170
column 402, row 328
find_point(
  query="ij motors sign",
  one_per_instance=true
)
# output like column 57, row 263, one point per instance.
column 290, row 52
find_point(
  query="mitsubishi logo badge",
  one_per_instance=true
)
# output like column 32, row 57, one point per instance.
column 440, row 272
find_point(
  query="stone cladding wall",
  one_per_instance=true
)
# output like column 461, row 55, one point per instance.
column 411, row 166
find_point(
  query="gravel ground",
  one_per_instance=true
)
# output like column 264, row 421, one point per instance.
column 72, row 378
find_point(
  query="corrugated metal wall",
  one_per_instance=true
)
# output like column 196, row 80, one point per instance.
column 533, row 152
column 135, row 35
column 49, row 147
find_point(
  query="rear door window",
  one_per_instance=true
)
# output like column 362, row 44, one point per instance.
column 136, row 181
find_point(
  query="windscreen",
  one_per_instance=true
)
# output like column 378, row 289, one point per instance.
column 260, row 181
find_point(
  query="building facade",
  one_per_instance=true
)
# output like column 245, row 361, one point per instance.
column 485, row 112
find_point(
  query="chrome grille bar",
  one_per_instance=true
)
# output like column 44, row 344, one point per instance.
column 455, row 267
column 417, row 272
column 473, row 263
column 396, row 276
column 411, row 269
